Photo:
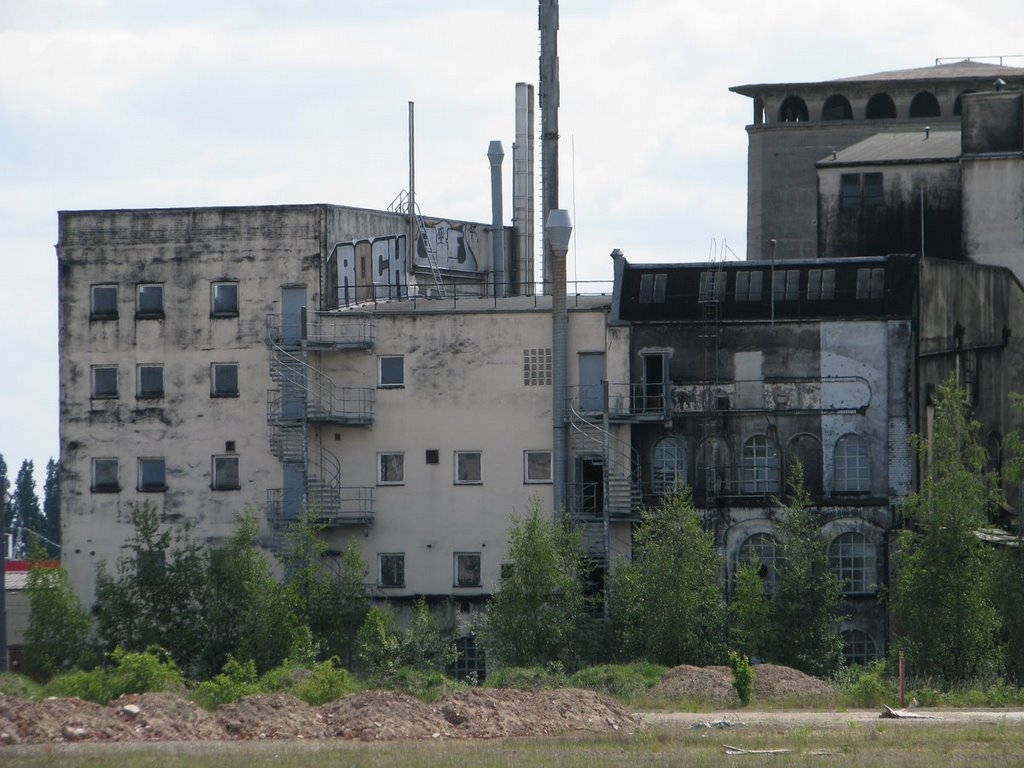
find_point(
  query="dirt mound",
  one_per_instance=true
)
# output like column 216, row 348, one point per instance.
column 484, row 713
column 374, row 715
column 271, row 716
column 167, row 716
column 54, row 719
column 713, row 684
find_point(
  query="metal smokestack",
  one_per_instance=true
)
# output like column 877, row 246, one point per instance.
column 557, row 231
column 549, row 99
column 496, row 154
column 521, row 273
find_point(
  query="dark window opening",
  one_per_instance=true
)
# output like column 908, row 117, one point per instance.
column 470, row 665
column 103, row 302
column 433, row 456
column 392, row 371
column 849, row 192
column 467, row 569
column 793, row 110
column 874, row 196
column 880, row 107
column 837, row 108
column 224, row 300
column 225, row 473
column 104, row 476
column 151, row 381
column 749, row 286
column 924, row 104
column 152, row 475
column 151, row 301
column 652, row 288
column 224, row 380
column 821, row 284
column 104, row 382
column 392, row 570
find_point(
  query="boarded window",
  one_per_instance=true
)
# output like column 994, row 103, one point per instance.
column 870, row 283
column 849, row 192
column 786, row 286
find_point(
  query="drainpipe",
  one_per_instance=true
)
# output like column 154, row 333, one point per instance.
column 557, row 231
column 496, row 154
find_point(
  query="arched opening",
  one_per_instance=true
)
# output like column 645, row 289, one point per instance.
column 712, row 467
column 837, row 108
column 668, row 464
column 760, row 467
column 851, row 558
column 793, row 110
column 924, row 104
column 880, row 107
column 807, row 450
column 851, row 466
column 958, row 105
column 858, row 647
column 762, row 550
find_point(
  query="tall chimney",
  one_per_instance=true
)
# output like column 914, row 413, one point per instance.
column 496, row 154
column 549, row 98
column 523, row 191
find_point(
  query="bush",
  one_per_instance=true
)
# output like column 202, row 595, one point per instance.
column 867, row 686
column 19, row 686
column 620, row 680
column 424, row 685
column 526, row 678
column 238, row 679
column 325, row 682
column 742, row 677
column 148, row 671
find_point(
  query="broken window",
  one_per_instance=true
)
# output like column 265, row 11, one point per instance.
column 103, row 302
column 104, row 476
column 392, row 569
column 668, row 464
column 224, row 299
column 225, row 473
column 104, row 381
column 468, row 470
column 852, row 469
column 151, row 381
column 151, row 301
column 224, row 380
column 467, row 569
column 390, row 468
column 392, row 370
column 762, row 550
column 851, row 557
column 760, row 467
column 151, row 475
column 537, row 466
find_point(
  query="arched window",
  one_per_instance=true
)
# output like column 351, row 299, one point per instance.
column 712, row 467
column 793, row 110
column 837, row 108
column 763, row 550
column 851, row 557
column 880, row 106
column 807, row 450
column 852, row 470
column 924, row 104
column 858, row 647
column 669, row 464
column 760, row 467
column 958, row 105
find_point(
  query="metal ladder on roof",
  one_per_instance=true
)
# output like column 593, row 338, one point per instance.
column 401, row 205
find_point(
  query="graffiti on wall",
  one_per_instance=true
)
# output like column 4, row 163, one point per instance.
column 373, row 268
column 450, row 243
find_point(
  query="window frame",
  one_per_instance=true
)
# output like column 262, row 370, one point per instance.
column 855, row 638
column 853, row 560
column 457, row 559
column 216, row 483
column 400, row 561
column 95, row 314
column 148, row 314
column 851, row 469
column 537, row 367
column 661, row 483
column 653, row 287
column 821, row 284
column 786, row 285
column 142, row 394
column 457, row 467
column 214, row 390
column 757, row 544
column 381, row 383
column 527, row 477
column 381, row 455
column 749, row 285
column 94, row 393
column 757, row 466
column 113, row 487
column 214, row 286
column 151, row 487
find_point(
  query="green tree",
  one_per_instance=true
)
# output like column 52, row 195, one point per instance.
column 750, row 613
column 424, row 646
column 57, row 634
column 945, row 616
column 1009, row 562
column 538, row 604
column 5, row 498
column 379, row 644
column 51, row 508
column 807, row 600
column 666, row 605
column 333, row 604
column 27, row 516
column 157, row 593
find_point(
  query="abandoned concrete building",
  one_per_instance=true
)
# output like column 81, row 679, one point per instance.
column 217, row 359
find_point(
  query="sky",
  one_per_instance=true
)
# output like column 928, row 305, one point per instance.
column 140, row 104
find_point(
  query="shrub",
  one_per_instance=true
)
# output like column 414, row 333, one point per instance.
column 325, row 682
column 19, row 686
column 525, row 678
column 143, row 672
column 424, row 685
column 238, row 679
column 620, row 680
column 867, row 686
column 742, row 677
column 378, row 644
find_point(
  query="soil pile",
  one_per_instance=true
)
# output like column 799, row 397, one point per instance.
column 58, row 720
column 271, row 716
column 374, row 715
column 166, row 717
column 713, row 684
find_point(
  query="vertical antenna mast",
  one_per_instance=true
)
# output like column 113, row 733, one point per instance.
column 411, row 239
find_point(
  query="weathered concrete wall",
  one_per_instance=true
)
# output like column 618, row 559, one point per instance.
column 993, row 211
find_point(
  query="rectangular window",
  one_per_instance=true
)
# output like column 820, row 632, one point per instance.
column 433, row 456
column 786, row 286
column 537, row 367
column 224, row 380
column 151, row 300
column 104, row 476
column 748, row 286
column 467, row 569
column 392, row 569
column 151, row 381
column 224, row 300
column 536, row 466
column 870, row 283
column 225, row 473
column 151, row 475
column 849, row 192
column 712, row 286
column 468, row 468
column 390, row 468
column 874, row 196
column 392, row 370
column 821, row 284
column 652, row 288
column 104, row 381
column 103, row 302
